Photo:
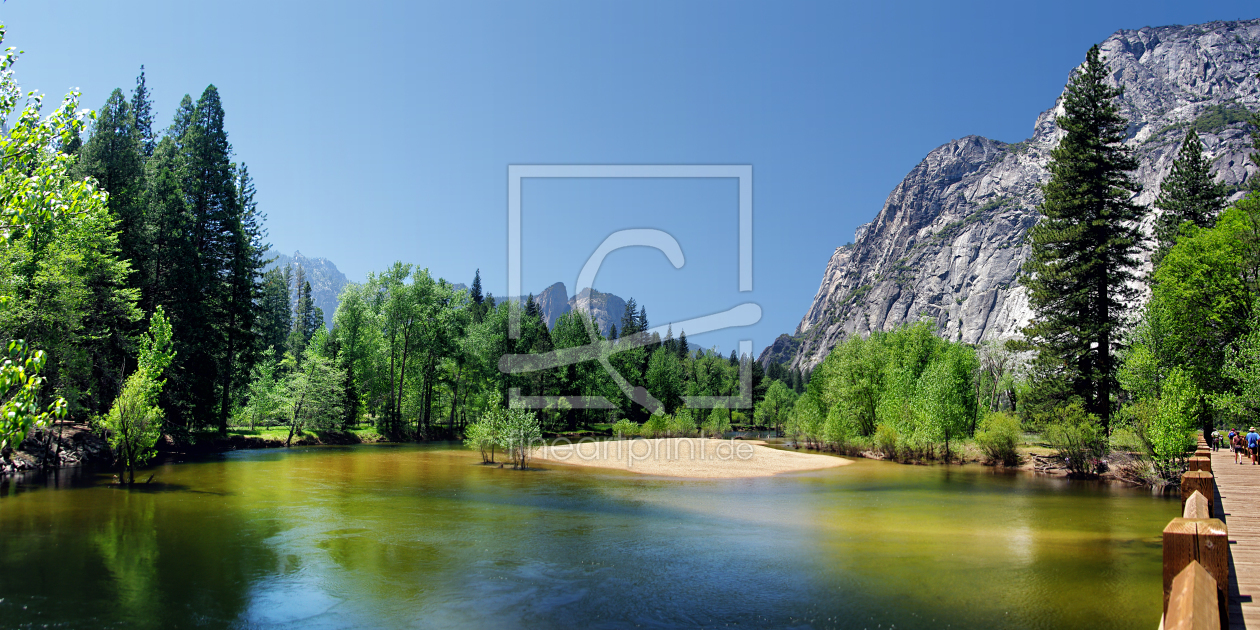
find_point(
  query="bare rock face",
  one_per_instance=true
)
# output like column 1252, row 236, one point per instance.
column 949, row 242
column 606, row 308
column 552, row 303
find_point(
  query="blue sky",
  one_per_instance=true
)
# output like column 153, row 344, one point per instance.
column 383, row 131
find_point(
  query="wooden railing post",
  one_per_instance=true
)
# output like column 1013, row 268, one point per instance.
column 1201, row 481
column 1191, row 606
column 1196, row 553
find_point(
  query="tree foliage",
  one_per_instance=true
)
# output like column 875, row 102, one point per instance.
column 1079, row 275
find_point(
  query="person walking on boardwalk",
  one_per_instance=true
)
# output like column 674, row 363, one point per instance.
column 1237, row 444
column 1216, row 440
column 1253, row 441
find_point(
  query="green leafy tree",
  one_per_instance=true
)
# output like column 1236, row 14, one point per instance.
column 312, row 393
column 1187, row 194
column 521, row 434
column 134, row 423
column 263, row 401
column 775, row 408
column 487, row 432
column 37, row 191
column 1084, row 248
column 665, row 378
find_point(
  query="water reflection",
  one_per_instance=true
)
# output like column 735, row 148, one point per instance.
column 424, row 537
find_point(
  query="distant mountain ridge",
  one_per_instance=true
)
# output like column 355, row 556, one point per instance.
column 326, row 280
column 606, row 308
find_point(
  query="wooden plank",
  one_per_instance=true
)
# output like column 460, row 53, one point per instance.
column 1238, row 495
column 1201, row 462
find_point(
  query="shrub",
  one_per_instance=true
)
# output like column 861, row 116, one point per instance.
column 655, row 426
column 886, row 440
column 717, row 424
column 1076, row 437
column 625, row 428
column 681, row 424
column 997, row 435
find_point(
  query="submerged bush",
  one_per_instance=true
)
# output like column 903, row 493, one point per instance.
column 997, row 436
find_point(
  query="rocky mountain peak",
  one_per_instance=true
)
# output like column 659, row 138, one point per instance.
column 948, row 244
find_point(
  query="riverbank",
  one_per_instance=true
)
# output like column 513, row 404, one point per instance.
column 69, row 444
column 688, row 457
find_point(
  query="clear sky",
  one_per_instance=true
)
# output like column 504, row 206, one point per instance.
column 383, row 131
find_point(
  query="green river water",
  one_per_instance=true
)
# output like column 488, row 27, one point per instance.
column 422, row 536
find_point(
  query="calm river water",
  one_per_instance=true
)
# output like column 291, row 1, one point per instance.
column 422, row 536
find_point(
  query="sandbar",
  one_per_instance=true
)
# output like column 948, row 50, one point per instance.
column 687, row 457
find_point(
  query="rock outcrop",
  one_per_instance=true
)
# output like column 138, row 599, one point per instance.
column 950, row 240
column 606, row 308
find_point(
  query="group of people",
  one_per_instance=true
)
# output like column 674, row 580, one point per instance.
column 1245, row 447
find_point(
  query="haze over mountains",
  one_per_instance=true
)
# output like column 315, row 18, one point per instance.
column 948, row 244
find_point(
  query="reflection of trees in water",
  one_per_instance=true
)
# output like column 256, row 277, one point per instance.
column 127, row 543
column 152, row 557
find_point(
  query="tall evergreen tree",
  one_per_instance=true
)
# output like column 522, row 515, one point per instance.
column 478, row 299
column 142, row 110
column 641, row 321
column 217, row 233
column 112, row 156
column 1083, row 249
column 629, row 325
column 683, row 350
column 274, row 315
column 1187, row 194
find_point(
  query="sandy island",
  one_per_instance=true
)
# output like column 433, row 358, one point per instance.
column 687, row 457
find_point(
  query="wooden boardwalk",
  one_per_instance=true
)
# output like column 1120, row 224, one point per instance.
column 1238, row 495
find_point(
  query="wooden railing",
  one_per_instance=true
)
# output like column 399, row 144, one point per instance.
column 1196, row 554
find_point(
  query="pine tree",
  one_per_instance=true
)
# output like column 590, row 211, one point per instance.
column 307, row 318
column 183, row 119
column 641, row 321
column 612, row 332
column 142, row 110
column 683, row 350
column 478, row 300
column 112, row 157
column 216, row 231
column 1187, row 194
column 475, row 292
column 1083, row 249
column 274, row 315
column 296, row 343
column 628, row 321
column 244, row 291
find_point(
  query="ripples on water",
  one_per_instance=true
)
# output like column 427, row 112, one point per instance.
column 423, row 536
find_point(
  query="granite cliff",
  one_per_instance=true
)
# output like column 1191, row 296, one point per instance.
column 948, row 244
